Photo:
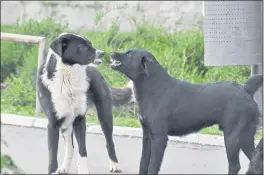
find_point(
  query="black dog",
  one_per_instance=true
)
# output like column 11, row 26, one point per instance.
column 169, row 106
column 68, row 85
column 256, row 163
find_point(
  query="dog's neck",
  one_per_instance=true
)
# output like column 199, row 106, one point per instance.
column 54, row 65
column 148, row 84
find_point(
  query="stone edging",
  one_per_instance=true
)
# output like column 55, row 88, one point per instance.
column 202, row 139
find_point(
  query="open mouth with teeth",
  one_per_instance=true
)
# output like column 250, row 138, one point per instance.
column 115, row 63
column 97, row 61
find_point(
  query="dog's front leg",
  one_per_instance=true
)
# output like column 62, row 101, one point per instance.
column 68, row 137
column 53, row 140
column 79, row 128
column 145, row 155
column 158, row 146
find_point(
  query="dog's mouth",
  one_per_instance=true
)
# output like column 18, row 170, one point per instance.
column 98, row 58
column 115, row 63
column 97, row 61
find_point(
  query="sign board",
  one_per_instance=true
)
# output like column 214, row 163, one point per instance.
column 233, row 33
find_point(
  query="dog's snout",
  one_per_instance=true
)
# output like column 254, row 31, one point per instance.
column 112, row 54
column 100, row 53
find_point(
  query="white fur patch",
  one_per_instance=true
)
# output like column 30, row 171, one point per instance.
column 82, row 165
column 130, row 85
column 68, row 88
column 114, row 167
column 72, row 34
column 65, row 167
column 92, row 65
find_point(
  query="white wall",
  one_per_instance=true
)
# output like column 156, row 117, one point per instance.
column 80, row 14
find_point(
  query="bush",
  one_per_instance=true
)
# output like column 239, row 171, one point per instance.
column 180, row 52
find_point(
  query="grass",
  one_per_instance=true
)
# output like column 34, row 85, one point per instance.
column 183, row 59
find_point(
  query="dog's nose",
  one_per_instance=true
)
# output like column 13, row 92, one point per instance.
column 100, row 53
column 112, row 54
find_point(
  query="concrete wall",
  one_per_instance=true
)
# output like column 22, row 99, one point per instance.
column 81, row 14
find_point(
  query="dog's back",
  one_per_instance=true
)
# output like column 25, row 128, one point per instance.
column 194, row 106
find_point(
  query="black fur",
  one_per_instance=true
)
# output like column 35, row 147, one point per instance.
column 174, row 107
column 253, row 83
column 51, row 66
column 256, row 163
column 73, row 49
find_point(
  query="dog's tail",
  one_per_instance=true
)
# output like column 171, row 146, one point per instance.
column 253, row 83
column 124, row 95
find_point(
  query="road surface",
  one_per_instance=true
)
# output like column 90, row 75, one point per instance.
column 28, row 148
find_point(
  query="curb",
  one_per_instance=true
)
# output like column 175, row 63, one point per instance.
column 25, row 121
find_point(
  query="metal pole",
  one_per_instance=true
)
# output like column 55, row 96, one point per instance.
column 257, row 69
column 41, row 41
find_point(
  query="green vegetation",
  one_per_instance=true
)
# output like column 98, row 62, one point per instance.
column 180, row 52
column 8, row 166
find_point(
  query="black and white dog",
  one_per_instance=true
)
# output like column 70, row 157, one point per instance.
column 174, row 107
column 68, row 85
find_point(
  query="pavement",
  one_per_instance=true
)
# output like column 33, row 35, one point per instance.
column 36, row 122
column 28, row 148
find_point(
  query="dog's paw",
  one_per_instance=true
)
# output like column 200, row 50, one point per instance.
column 114, row 167
column 61, row 171
column 82, row 165
column 83, row 171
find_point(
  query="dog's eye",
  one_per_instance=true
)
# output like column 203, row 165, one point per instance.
column 128, row 54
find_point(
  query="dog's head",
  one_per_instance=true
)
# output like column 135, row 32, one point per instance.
column 75, row 49
column 132, row 63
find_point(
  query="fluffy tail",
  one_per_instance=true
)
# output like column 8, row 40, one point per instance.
column 124, row 95
column 252, row 84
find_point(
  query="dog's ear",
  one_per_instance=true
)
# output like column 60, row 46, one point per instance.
column 145, row 61
column 59, row 45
